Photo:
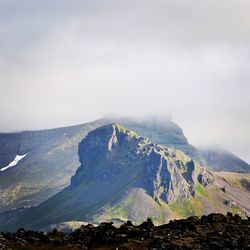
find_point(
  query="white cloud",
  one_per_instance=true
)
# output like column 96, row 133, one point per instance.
column 66, row 62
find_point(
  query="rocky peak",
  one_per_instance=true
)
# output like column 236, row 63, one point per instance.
column 107, row 137
column 112, row 152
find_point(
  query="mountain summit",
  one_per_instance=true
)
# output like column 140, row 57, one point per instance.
column 126, row 176
column 113, row 154
column 52, row 157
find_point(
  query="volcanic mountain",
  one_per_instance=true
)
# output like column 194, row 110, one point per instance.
column 49, row 158
column 35, row 165
column 126, row 176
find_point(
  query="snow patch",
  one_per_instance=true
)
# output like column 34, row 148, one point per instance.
column 14, row 162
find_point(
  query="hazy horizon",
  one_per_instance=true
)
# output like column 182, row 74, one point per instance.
column 69, row 62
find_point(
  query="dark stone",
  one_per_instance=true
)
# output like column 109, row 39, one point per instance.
column 214, row 231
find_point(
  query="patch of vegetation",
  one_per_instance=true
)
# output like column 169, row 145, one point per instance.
column 239, row 211
column 187, row 208
column 121, row 211
column 204, row 194
column 161, row 219
column 201, row 191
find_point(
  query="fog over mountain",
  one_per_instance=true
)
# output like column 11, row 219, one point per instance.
column 68, row 62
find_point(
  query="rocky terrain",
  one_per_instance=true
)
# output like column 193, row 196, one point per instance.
column 214, row 231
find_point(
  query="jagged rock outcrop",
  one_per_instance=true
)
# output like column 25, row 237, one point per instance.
column 245, row 183
column 112, row 150
column 205, row 177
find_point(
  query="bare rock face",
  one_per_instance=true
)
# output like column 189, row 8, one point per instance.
column 205, row 178
column 245, row 183
column 112, row 150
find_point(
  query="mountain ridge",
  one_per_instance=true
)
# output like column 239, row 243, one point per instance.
column 126, row 176
column 221, row 159
column 53, row 157
column 28, row 183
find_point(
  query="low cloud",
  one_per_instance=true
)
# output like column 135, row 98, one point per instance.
column 65, row 62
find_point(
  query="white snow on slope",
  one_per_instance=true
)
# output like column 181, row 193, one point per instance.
column 14, row 162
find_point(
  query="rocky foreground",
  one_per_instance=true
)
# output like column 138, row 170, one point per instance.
column 214, row 231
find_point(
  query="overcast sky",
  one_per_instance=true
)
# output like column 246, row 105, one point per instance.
column 67, row 62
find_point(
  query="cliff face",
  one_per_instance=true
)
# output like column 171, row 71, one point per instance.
column 112, row 152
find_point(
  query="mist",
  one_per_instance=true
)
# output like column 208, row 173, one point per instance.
column 69, row 62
